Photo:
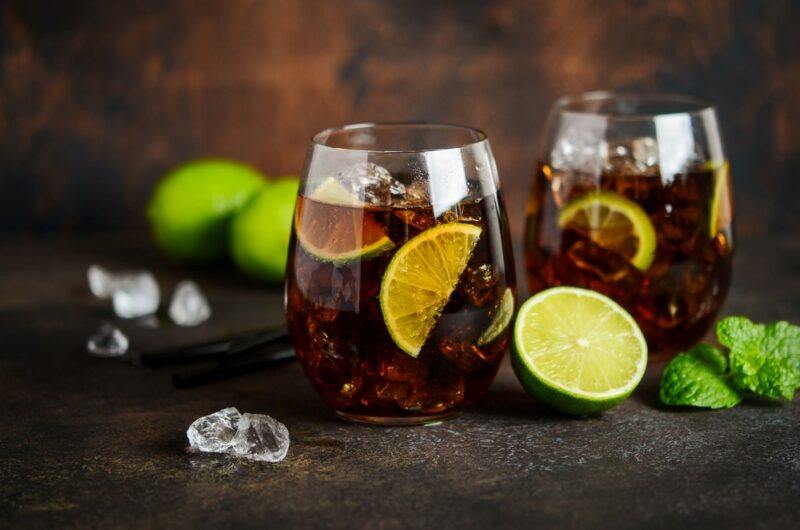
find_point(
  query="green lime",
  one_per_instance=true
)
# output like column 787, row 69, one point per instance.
column 614, row 223
column 501, row 319
column 192, row 205
column 577, row 350
column 260, row 232
column 420, row 279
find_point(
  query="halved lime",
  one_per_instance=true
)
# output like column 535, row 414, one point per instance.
column 614, row 223
column 720, row 209
column 501, row 319
column 577, row 350
column 420, row 279
column 334, row 226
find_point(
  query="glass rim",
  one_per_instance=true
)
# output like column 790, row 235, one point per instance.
column 570, row 104
column 479, row 136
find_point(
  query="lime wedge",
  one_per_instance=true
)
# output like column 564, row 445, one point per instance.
column 335, row 227
column 420, row 279
column 720, row 210
column 577, row 350
column 614, row 223
column 501, row 319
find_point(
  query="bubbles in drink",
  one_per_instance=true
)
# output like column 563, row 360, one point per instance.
column 479, row 284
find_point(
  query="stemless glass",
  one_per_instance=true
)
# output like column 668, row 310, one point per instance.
column 632, row 197
column 400, row 281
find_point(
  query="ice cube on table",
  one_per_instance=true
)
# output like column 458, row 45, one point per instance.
column 189, row 306
column 214, row 433
column 136, row 294
column 252, row 436
column 101, row 281
column 372, row 183
column 108, row 341
column 261, row 437
column 133, row 293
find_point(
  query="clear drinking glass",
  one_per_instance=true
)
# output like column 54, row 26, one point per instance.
column 632, row 197
column 400, row 281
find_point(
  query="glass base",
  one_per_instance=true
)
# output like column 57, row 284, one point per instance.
column 420, row 419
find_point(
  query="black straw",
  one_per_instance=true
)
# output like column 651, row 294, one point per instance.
column 249, row 358
column 219, row 348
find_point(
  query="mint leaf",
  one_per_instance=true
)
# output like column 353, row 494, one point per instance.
column 732, row 331
column 764, row 359
column 783, row 338
column 696, row 378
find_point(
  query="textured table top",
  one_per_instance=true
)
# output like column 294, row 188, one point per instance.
column 88, row 442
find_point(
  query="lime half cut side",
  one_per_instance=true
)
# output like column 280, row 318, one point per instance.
column 615, row 223
column 501, row 319
column 577, row 350
column 420, row 279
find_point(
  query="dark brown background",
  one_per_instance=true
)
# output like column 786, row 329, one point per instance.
column 98, row 99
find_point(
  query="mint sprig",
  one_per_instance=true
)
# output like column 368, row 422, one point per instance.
column 764, row 360
column 697, row 378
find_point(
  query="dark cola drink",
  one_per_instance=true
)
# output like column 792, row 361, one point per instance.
column 659, row 244
column 339, row 257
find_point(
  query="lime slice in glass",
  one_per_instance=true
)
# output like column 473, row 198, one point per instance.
column 501, row 319
column 420, row 279
column 614, row 223
column 720, row 209
column 334, row 226
column 577, row 351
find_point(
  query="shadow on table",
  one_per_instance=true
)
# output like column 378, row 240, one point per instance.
column 512, row 403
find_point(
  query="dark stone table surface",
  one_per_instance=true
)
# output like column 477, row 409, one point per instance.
column 88, row 442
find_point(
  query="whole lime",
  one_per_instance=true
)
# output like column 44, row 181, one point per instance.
column 192, row 205
column 259, row 233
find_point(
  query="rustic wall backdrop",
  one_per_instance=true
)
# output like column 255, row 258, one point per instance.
column 98, row 99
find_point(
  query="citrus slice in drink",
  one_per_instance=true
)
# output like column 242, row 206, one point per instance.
column 501, row 319
column 720, row 209
column 577, row 351
column 334, row 226
column 420, row 279
column 614, row 223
